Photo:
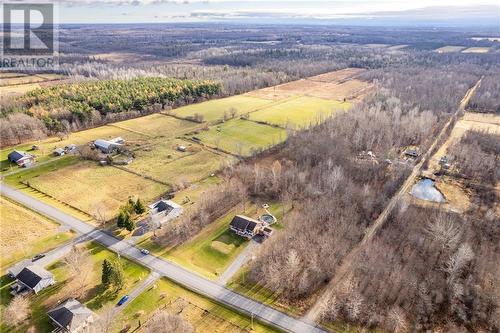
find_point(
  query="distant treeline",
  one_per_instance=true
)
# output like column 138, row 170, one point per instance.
column 70, row 107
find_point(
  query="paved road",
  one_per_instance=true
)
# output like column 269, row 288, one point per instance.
column 237, row 263
column 315, row 311
column 148, row 281
column 166, row 268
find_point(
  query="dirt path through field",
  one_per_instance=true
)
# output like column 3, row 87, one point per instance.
column 345, row 267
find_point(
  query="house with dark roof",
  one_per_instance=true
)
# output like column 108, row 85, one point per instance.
column 21, row 158
column 32, row 278
column 164, row 211
column 245, row 226
column 71, row 316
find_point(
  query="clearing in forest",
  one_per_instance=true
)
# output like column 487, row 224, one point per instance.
column 477, row 50
column 450, row 49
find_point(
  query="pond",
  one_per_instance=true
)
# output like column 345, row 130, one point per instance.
column 426, row 190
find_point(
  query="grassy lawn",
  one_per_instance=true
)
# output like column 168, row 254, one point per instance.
column 165, row 163
column 242, row 136
column 204, row 314
column 300, row 112
column 94, row 297
column 215, row 109
column 87, row 185
column 24, row 233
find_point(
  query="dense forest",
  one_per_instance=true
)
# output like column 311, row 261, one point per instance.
column 487, row 98
column 69, row 107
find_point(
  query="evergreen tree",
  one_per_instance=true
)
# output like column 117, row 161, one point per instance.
column 139, row 207
column 123, row 216
column 129, row 224
column 117, row 275
column 107, row 272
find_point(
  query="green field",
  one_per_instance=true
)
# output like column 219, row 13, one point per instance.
column 299, row 113
column 88, row 187
column 203, row 314
column 242, row 136
column 94, row 296
column 215, row 109
column 157, row 125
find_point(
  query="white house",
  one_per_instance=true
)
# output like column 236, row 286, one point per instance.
column 164, row 211
column 72, row 317
column 32, row 278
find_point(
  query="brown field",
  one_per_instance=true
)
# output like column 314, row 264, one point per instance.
column 457, row 196
column 337, row 75
column 23, row 233
column 120, row 57
column 86, row 186
column 334, row 85
column 470, row 121
column 349, row 90
column 15, row 84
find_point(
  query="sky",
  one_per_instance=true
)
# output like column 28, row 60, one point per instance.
column 280, row 11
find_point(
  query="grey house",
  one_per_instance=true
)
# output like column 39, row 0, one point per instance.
column 164, row 211
column 32, row 278
column 71, row 316
column 109, row 146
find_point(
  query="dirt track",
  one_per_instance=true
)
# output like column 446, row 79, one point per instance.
column 343, row 270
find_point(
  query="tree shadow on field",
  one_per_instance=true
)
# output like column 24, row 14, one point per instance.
column 100, row 295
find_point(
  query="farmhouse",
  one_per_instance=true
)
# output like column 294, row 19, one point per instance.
column 71, row 316
column 109, row 146
column 247, row 227
column 163, row 211
column 21, row 158
column 17, row 268
column 32, row 278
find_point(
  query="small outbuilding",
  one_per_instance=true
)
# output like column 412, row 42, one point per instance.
column 59, row 152
column 413, row 153
column 32, row 278
column 21, row 158
column 71, row 316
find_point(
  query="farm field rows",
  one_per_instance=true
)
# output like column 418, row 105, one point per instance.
column 24, row 233
column 15, row 84
column 153, row 140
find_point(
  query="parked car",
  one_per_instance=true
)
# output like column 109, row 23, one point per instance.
column 38, row 257
column 144, row 251
column 123, row 300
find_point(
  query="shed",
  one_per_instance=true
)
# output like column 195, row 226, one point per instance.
column 59, row 152
column 71, row 316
